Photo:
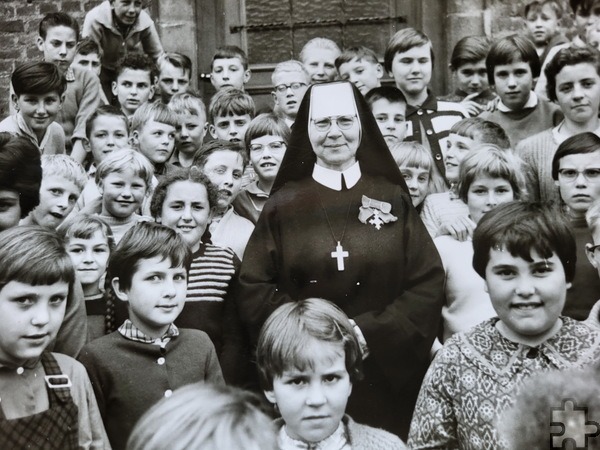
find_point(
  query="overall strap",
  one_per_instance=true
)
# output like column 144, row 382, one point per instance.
column 57, row 383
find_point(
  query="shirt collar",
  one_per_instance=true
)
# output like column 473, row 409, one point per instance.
column 30, row 134
column 333, row 178
column 337, row 441
column 531, row 103
column 430, row 104
column 253, row 189
column 129, row 331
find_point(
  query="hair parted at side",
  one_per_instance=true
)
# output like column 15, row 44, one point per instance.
column 34, row 255
column 360, row 53
column 84, row 226
column 289, row 331
column 103, row 111
column 188, row 103
column 178, row 60
column 124, row 159
column 230, row 52
column 57, row 19
column 38, row 78
column 481, row 130
column 509, row 50
column 267, row 124
column 403, row 41
column 292, row 66
column 390, row 93
column 88, row 46
column 66, row 167
column 569, row 56
column 581, row 143
column 156, row 111
column 469, row 50
column 218, row 145
column 230, row 102
column 522, row 227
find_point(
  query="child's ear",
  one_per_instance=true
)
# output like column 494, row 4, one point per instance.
column 247, row 75
column 116, row 285
column 485, row 286
column 379, row 71
column 152, row 90
column 62, row 100
column 86, row 145
column 113, row 87
column 15, row 101
column 39, row 42
column 134, row 139
column 271, row 396
column 590, row 255
column 212, row 130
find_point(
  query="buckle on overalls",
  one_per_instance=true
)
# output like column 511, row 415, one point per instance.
column 58, row 381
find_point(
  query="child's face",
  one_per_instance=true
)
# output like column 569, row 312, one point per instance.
column 31, row 317
column 320, row 64
column 585, row 20
column 527, row 296
column 485, row 193
column 288, row 100
column 172, row 80
column 133, row 88
column 127, row 11
column 391, row 119
column 230, row 128
column 472, row 77
column 412, row 69
column 190, row 133
column 156, row 295
column 39, row 111
column 266, row 153
column 513, row 84
column 156, row 141
column 59, row 46
column 578, row 92
column 122, row 193
column 108, row 134
column 363, row 73
column 457, row 147
column 10, row 209
column 417, row 180
column 186, row 209
column 579, row 180
column 89, row 62
column 224, row 169
column 542, row 24
column 229, row 72
column 58, row 196
column 89, row 257
column 312, row 402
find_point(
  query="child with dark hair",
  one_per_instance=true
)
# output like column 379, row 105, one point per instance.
column 229, row 68
column 388, row 106
column 39, row 89
column 88, row 56
column 174, row 75
column 229, row 114
column 148, row 357
column 360, row 66
column 133, row 83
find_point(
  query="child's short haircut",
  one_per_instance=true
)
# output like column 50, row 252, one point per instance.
column 361, row 52
column 146, row 240
column 205, row 416
column 156, row 111
column 122, row 160
column 267, row 124
column 188, row 103
column 137, row 61
column 218, row 145
column 83, row 226
column 584, row 6
column 230, row 102
column 469, row 50
column 536, row 7
column 102, row 111
column 34, row 255
column 20, row 170
column 318, row 42
column 193, row 174
column 569, row 56
column 413, row 154
column 403, row 41
column 509, row 50
column 178, row 60
column 592, row 217
column 57, row 19
column 288, row 332
column 488, row 160
column 483, row 131
column 66, row 167
column 229, row 52
column 390, row 93
column 290, row 66
column 88, row 46
column 520, row 227
column 581, row 143
column 37, row 78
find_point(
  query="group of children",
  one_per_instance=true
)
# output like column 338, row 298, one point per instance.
column 126, row 205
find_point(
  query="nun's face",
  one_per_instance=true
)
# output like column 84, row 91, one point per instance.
column 335, row 140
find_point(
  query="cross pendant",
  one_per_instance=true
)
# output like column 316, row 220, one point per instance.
column 340, row 254
column 376, row 220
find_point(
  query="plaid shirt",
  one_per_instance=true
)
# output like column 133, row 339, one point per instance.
column 129, row 331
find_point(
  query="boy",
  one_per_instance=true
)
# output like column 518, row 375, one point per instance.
column 62, row 182
column 88, row 56
column 47, row 399
column 542, row 19
column 388, row 106
column 308, row 357
column 191, row 127
column 290, row 81
column 153, row 134
column 360, row 66
column 229, row 68
column 174, row 74
column 318, row 56
column 223, row 163
column 148, row 357
column 38, row 97
column 512, row 64
column 134, row 83
column 229, row 114
column 409, row 60
column 120, row 27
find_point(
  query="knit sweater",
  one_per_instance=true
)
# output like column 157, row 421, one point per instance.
column 441, row 209
column 53, row 142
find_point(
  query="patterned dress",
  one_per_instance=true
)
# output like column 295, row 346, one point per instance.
column 476, row 376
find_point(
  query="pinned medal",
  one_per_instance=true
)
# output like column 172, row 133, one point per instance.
column 375, row 212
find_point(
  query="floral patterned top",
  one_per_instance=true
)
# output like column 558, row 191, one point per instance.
column 476, row 376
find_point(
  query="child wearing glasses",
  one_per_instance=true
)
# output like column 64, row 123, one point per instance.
column 576, row 172
column 266, row 140
column 290, row 81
